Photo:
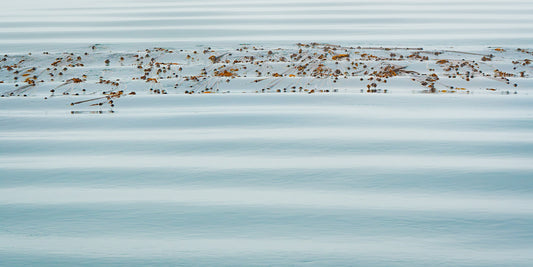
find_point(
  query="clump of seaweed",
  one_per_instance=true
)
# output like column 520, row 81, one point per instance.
column 307, row 68
column 108, row 99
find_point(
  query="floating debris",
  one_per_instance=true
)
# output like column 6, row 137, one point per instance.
column 306, row 68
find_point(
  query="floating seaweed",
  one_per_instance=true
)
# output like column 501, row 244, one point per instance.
column 307, row 68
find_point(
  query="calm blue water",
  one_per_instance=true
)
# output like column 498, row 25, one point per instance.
column 58, row 25
column 263, row 180
column 268, row 180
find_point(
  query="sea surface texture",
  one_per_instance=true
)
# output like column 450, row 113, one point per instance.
column 282, row 179
column 54, row 24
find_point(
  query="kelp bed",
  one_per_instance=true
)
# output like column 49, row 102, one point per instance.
column 99, row 75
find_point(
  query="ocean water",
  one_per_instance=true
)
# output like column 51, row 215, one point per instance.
column 33, row 25
column 244, row 179
column 273, row 179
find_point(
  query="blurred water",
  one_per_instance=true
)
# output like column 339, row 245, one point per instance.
column 268, row 180
column 359, row 180
column 55, row 24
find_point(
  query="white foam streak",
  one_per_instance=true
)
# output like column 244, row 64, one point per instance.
column 401, row 248
column 365, row 134
column 262, row 27
column 278, row 197
column 229, row 162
